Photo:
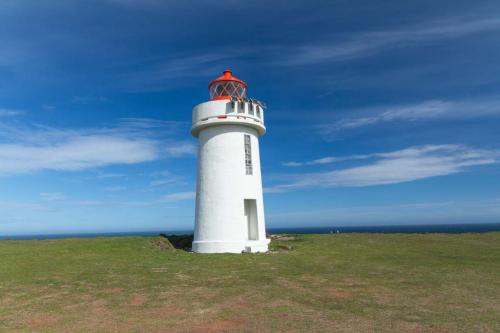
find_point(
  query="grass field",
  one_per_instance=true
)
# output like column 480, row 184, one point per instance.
column 324, row 283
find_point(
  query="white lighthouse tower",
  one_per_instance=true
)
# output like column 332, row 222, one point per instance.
column 229, row 205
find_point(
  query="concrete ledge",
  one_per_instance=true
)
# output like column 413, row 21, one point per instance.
column 230, row 247
column 228, row 120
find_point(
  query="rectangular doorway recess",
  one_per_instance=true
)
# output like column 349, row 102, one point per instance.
column 251, row 218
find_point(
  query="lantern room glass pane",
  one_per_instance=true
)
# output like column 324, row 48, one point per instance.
column 240, row 90
column 231, row 89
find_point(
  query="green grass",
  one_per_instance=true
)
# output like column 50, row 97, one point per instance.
column 325, row 283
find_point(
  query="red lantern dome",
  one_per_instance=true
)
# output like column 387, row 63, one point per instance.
column 227, row 87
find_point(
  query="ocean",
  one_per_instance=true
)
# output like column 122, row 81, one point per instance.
column 392, row 229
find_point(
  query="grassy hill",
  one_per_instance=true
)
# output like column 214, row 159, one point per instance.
column 318, row 283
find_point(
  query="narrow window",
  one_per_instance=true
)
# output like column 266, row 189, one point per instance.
column 258, row 111
column 248, row 155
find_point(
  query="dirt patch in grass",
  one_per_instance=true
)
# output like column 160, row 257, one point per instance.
column 112, row 290
column 6, row 301
column 219, row 325
column 406, row 327
column 280, row 303
column 98, row 307
column 165, row 311
column 239, row 303
column 295, row 285
column 137, row 300
column 242, row 305
column 42, row 321
column 336, row 293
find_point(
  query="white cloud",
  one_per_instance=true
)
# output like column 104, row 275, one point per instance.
column 173, row 197
column 36, row 148
column 366, row 44
column 78, row 153
column 400, row 166
column 427, row 110
column 292, row 164
column 179, row 149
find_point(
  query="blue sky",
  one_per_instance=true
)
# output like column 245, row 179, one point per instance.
column 378, row 112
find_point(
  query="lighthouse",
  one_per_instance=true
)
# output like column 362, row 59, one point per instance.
column 229, row 205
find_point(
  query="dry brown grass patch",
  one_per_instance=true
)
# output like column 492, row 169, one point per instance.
column 218, row 326
column 112, row 290
column 137, row 300
column 336, row 293
column 42, row 320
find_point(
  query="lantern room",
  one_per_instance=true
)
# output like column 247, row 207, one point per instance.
column 227, row 87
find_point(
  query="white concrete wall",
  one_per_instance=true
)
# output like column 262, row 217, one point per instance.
column 222, row 186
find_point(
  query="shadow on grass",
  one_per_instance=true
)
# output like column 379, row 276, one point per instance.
column 280, row 243
column 179, row 242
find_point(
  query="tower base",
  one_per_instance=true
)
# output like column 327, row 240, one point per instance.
column 231, row 247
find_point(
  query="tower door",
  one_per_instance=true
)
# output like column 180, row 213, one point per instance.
column 251, row 218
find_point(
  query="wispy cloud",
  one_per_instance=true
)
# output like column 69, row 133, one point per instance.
column 48, row 107
column 104, row 175
column 162, row 178
column 88, row 99
column 397, row 214
column 327, row 160
column 36, row 148
column 114, row 188
column 78, row 153
column 164, row 181
column 52, row 196
column 149, row 123
column 185, row 148
column 173, row 197
column 368, row 43
column 399, row 166
column 14, row 205
column 162, row 73
column 10, row 112
column 427, row 110
column 158, row 73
